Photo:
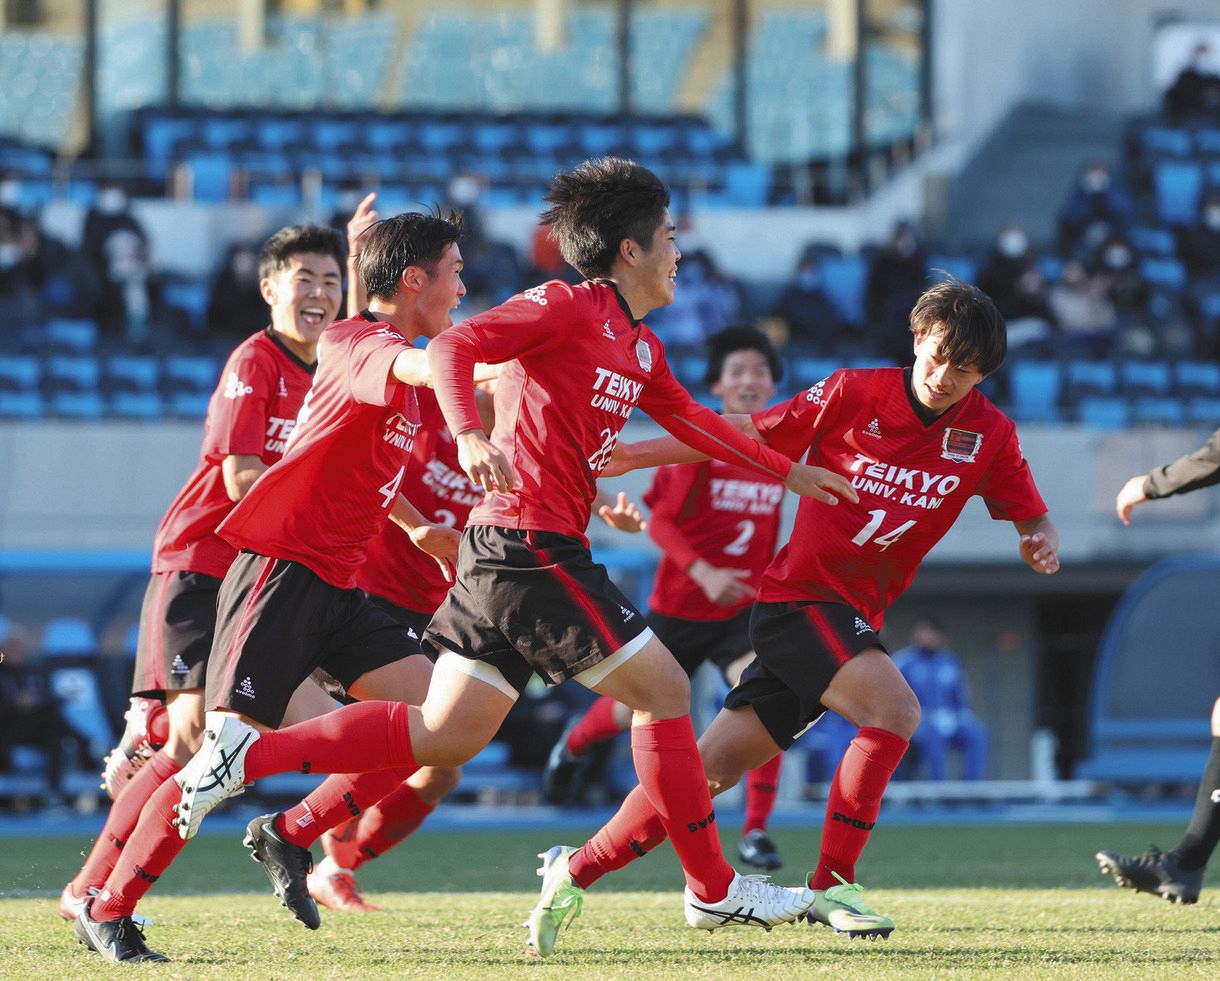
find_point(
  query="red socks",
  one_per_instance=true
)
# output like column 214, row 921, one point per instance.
column 762, row 786
column 150, row 850
column 124, row 813
column 381, row 827
column 596, row 725
column 671, row 775
column 855, row 801
column 359, row 738
column 338, row 798
column 633, row 832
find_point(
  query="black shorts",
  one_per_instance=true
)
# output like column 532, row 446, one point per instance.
column 799, row 647
column 177, row 620
column 692, row 642
column 277, row 621
column 413, row 621
column 533, row 601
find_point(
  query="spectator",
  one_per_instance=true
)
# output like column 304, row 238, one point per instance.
column 812, row 320
column 896, row 279
column 1197, row 87
column 236, row 307
column 109, row 214
column 1081, row 305
column 131, row 309
column 492, row 272
column 1199, row 246
column 935, row 675
column 1115, row 266
column 706, row 302
column 20, row 303
column 1012, row 280
column 1098, row 209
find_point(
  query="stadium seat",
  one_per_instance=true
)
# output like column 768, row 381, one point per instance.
column 1165, row 410
column 1151, row 241
column 1203, row 410
column 846, row 278
column 1100, row 412
column 71, row 336
column 808, row 371
column 188, row 405
column 1207, row 142
column 211, row 175
column 1178, row 186
column 1083, row 378
column 19, row 373
column 74, row 373
column 84, row 406
column 958, row 266
column 1145, row 377
column 329, row 134
column 187, row 373
column 1166, row 141
column 1197, row 378
column 21, row 405
column 137, row 405
column 1035, row 387
column 279, row 133
column 748, row 184
column 67, row 636
column 1168, row 273
column 130, row 373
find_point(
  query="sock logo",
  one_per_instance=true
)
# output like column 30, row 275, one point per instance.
column 854, row 822
column 350, row 801
column 637, row 848
column 306, row 766
column 146, row 876
column 707, row 822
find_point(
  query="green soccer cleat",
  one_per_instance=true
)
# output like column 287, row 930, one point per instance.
column 558, row 905
column 844, row 910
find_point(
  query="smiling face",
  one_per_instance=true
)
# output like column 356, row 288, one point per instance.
column 304, row 296
column 745, row 383
column 440, row 290
column 656, row 269
column 938, row 384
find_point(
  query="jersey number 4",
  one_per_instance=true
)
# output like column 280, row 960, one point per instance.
column 389, row 490
column 885, row 541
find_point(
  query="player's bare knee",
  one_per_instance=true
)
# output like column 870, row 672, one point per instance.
column 903, row 717
column 668, row 701
column 722, row 778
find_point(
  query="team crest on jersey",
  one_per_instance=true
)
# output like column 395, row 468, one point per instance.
column 643, row 354
column 960, row 445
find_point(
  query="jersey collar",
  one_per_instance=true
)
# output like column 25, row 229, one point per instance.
column 621, row 302
column 925, row 415
column 305, row 366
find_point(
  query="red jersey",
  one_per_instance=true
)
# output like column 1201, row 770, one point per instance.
column 436, row 484
column 913, row 478
column 577, row 365
column 726, row 515
column 252, row 412
column 329, row 495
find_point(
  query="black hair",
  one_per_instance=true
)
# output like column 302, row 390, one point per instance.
column 972, row 332
column 600, row 203
column 295, row 240
column 411, row 239
column 740, row 338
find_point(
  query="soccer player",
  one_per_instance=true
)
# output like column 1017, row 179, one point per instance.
column 717, row 525
column 1176, row 875
column 575, row 361
column 916, row 444
column 250, row 417
column 288, row 604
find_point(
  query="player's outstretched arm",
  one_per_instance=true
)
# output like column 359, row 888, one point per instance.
column 365, row 217
column 1039, row 544
column 663, row 450
column 439, row 541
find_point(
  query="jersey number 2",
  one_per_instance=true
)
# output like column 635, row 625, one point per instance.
column 741, row 544
column 886, row 540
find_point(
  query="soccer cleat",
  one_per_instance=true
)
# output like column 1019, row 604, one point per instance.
column 1156, row 872
column 844, row 910
column 559, row 903
column 70, row 905
column 759, row 850
column 559, row 774
column 335, row 888
column 119, row 941
column 216, row 773
column 287, row 866
column 142, row 737
column 752, row 900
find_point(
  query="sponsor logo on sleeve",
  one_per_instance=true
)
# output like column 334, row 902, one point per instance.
column 235, row 388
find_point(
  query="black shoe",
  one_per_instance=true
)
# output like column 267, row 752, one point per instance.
column 562, row 768
column 758, row 850
column 286, row 865
column 119, row 941
column 1156, row 872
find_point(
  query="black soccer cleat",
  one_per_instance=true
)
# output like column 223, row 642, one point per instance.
column 287, row 866
column 1156, row 872
column 562, row 769
column 119, row 941
column 759, row 850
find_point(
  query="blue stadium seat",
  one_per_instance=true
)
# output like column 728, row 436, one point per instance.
column 330, row 134
column 1082, row 378
column 19, row 373
column 130, row 373
column 1101, row 412
column 224, row 132
column 85, row 406
column 846, row 278
column 1178, row 185
column 1197, row 378
column 1203, row 410
column 21, row 405
column 1166, row 410
column 279, row 133
column 1051, row 267
column 1035, row 387
column 188, row 405
column 68, row 372
column 67, row 636
column 188, row 373
column 1145, row 377
column 137, row 405
column 1207, row 142
column 1166, row 141
column 189, row 296
column 958, row 266
column 161, row 135
column 748, row 184
column 275, row 193
column 211, row 175
column 71, row 336
column 1152, row 241
column 1167, row 273
column 808, row 371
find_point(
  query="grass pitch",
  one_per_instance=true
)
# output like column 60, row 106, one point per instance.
column 970, row 902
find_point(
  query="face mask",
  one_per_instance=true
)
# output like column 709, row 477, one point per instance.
column 1211, row 218
column 10, row 193
column 1095, row 181
column 10, row 255
column 111, row 201
column 464, row 191
column 1117, row 257
column 1013, row 244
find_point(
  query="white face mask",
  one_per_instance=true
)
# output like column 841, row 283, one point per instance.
column 10, row 193
column 1013, row 244
column 1095, row 181
column 111, row 201
column 10, row 255
column 1211, row 217
column 1118, row 257
column 464, row 191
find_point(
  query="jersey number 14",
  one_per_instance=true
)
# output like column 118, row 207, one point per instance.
column 885, row 541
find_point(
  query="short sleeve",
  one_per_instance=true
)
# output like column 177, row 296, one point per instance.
column 1008, row 487
column 370, row 362
column 791, row 427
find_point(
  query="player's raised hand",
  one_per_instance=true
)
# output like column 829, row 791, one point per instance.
column 623, row 515
column 1131, row 495
column 483, row 463
column 1040, row 553
column 820, row 484
column 441, row 542
column 724, row 587
column 364, row 218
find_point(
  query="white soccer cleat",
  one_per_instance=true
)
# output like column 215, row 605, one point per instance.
column 558, row 905
column 752, row 900
column 216, row 773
